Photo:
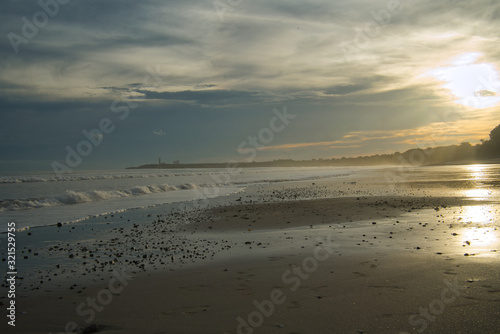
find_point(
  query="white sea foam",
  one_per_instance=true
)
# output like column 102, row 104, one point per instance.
column 26, row 179
column 75, row 197
column 39, row 198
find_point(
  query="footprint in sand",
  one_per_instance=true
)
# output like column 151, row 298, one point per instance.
column 186, row 310
column 293, row 304
column 319, row 288
column 194, row 288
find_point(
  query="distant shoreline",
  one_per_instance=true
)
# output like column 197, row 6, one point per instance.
column 464, row 154
column 306, row 163
column 469, row 162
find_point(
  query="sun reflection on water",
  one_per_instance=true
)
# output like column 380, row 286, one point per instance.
column 478, row 214
column 477, row 173
column 480, row 194
column 481, row 236
column 481, row 227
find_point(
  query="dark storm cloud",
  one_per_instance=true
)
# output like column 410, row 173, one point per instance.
column 345, row 89
column 203, row 96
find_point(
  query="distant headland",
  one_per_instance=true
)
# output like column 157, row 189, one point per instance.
column 488, row 151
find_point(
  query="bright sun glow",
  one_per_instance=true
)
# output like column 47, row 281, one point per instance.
column 475, row 85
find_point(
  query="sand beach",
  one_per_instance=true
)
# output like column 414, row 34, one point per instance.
column 332, row 256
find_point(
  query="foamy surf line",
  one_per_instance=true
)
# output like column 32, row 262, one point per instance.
column 119, row 176
column 35, row 206
column 28, row 179
column 75, row 197
column 136, row 207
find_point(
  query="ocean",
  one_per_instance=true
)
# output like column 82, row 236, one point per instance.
column 34, row 199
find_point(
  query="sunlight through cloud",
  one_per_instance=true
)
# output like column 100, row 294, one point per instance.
column 474, row 84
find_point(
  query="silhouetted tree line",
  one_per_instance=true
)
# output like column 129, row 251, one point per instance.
column 490, row 148
column 487, row 149
column 465, row 152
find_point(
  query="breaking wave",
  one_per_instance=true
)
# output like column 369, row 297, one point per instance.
column 13, row 179
column 75, row 197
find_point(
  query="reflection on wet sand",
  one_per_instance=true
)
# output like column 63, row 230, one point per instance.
column 477, row 214
column 481, row 236
column 479, row 233
column 477, row 173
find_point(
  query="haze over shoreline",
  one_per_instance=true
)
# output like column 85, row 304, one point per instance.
column 488, row 151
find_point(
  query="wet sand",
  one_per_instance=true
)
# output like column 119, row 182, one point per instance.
column 376, row 293
column 362, row 264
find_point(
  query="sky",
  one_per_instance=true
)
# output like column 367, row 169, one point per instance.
column 88, row 84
